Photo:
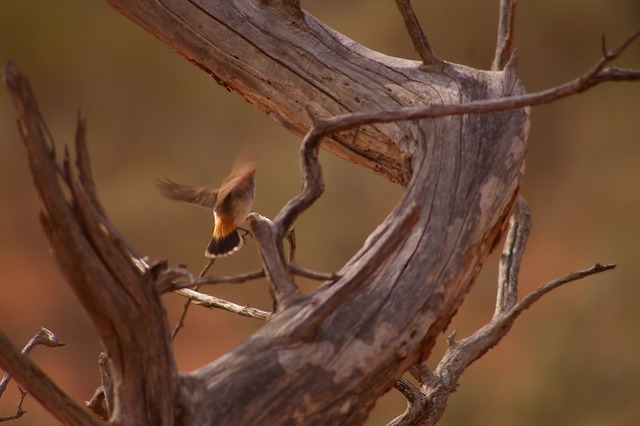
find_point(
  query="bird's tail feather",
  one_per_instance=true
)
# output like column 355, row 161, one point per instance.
column 224, row 246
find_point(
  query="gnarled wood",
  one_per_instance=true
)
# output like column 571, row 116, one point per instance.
column 122, row 303
column 329, row 356
column 462, row 173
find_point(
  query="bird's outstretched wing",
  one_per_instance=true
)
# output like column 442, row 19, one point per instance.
column 241, row 173
column 202, row 196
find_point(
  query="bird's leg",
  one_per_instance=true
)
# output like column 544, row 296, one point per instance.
column 244, row 234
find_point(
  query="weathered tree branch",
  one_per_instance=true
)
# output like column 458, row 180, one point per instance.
column 43, row 337
column 597, row 74
column 504, row 44
column 213, row 302
column 122, row 304
column 185, row 308
column 333, row 353
column 38, row 384
column 19, row 410
column 437, row 385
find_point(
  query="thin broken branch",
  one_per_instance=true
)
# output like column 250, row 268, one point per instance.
column 504, row 45
column 294, row 268
column 218, row 279
column 38, row 384
column 185, row 308
column 213, row 302
column 420, row 42
column 19, row 410
column 314, row 275
column 43, row 337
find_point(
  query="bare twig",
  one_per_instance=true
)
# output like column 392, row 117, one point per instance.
column 185, row 308
column 43, row 337
column 308, row 273
column 19, row 410
column 504, row 45
column 420, row 42
column 532, row 297
column 36, row 382
column 248, row 276
column 213, row 302
column 438, row 384
column 218, row 279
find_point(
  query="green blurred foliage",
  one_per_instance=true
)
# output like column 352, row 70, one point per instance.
column 571, row 360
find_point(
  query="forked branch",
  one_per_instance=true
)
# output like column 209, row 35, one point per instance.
column 43, row 337
column 121, row 302
column 38, row 384
column 437, row 385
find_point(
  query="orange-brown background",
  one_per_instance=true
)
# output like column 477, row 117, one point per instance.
column 571, row 359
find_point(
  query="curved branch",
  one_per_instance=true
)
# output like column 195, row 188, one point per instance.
column 417, row 403
column 43, row 337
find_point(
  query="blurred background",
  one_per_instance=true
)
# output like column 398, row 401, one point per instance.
column 573, row 359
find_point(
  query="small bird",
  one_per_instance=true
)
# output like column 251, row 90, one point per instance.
column 231, row 204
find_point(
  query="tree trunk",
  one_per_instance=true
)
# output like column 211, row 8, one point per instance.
column 326, row 358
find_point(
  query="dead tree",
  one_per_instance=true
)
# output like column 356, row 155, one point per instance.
column 453, row 136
